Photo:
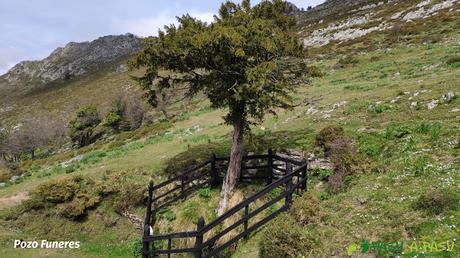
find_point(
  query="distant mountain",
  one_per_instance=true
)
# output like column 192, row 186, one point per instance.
column 70, row 62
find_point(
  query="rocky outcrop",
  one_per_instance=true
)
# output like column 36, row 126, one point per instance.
column 343, row 20
column 331, row 7
column 72, row 61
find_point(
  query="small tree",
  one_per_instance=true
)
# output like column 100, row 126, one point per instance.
column 82, row 126
column 125, row 114
column 32, row 134
column 244, row 61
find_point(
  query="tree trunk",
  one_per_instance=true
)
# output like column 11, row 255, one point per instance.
column 234, row 166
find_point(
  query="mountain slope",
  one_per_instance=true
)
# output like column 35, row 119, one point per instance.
column 73, row 61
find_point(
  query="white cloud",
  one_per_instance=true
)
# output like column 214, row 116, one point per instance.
column 149, row 26
column 306, row 3
column 9, row 57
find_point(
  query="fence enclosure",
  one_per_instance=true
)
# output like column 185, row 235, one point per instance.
column 279, row 172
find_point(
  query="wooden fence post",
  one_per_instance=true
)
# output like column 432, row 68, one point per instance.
column 269, row 166
column 199, row 237
column 246, row 221
column 147, row 222
column 304, row 175
column 289, row 189
column 213, row 170
column 182, row 186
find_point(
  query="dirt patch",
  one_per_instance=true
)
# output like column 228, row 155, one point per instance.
column 6, row 202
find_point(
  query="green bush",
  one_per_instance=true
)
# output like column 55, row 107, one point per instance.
column 346, row 61
column 283, row 237
column 314, row 71
column 438, row 201
column 342, row 152
column 327, row 136
column 398, row 132
column 112, row 120
column 453, row 61
column 322, row 174
column 306, row 209
column 378, row 108
column 5, row 174
column 170, row 215
column 82, row 127
column 371, row 145
column 57, row 191
column 136, row 248
column 72, row 198
column 79, row 206
column 204, row 193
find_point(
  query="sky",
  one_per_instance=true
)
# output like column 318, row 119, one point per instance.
column 31, row 30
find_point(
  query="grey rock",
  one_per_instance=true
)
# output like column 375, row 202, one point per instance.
column 69, row 62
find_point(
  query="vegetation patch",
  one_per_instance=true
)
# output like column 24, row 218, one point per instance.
column 437, row 201
column 284, row 237
column 341, row 150
column 73, row 197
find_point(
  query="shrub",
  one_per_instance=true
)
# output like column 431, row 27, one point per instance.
column 5, row 174
column 322, row 174
column 79, row 206
column 438, row 201
column 82, row 127
column 378, row 108
column 396, row 131
column 328, row 135
column 346, row 61
column 136, row 248
column 306, row 209
column 57, row 191
column 170, row 215
column 453, row 61
column 112, row 120
column 342, row 152
column 345, row 160
column 371, row 145
column 128, row 195
column 125, row 114
column 285, row 238
column 204, row 193
column 314, row 71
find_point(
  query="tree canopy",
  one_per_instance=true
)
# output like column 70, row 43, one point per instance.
column 243, row 60
column 248, row 60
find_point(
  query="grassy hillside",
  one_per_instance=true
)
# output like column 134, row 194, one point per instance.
column 411, row 150
column 398, row 102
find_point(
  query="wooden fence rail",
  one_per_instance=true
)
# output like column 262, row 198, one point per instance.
column 293, row 181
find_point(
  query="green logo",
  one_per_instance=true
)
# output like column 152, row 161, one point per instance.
column 353, row 248
column 397, row 248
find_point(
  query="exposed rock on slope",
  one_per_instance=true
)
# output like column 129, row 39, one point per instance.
column 71, row 61
column 343, row 20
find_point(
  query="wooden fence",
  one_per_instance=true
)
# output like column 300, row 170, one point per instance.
column 293, row 180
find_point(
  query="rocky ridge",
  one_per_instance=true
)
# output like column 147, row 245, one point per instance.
column 69, row 62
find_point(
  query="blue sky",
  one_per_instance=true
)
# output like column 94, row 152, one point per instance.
column 32, row 29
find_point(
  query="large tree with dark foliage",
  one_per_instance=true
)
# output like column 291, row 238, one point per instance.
column 248, row 61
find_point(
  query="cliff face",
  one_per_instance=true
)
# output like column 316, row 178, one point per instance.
column 69, row 62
